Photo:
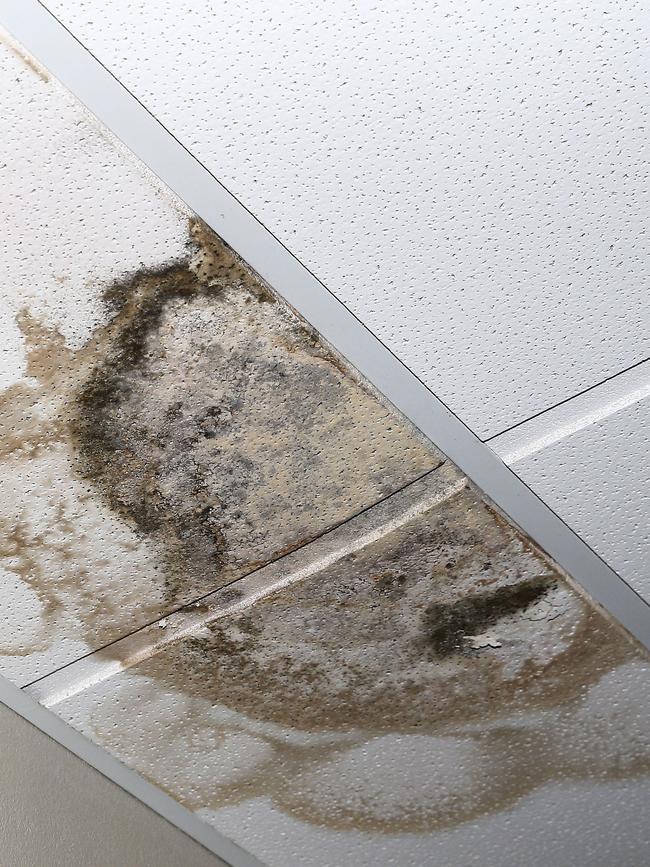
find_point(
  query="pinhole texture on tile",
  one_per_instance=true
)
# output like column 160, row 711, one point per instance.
column 468, row 178
column 168, row 424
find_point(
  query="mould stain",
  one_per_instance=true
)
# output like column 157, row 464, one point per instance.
column 140, row 471
column 201, row 432
column 447, row 625
column 205, row 421
column 334, row 674
column 202, row 428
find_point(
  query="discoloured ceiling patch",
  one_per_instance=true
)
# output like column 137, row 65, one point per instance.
column 201, row 432
column 309, row 695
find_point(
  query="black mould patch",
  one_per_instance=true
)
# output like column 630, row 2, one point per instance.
column 125, row 459
column 378, row 641
column 217, row 426
column 446, row 626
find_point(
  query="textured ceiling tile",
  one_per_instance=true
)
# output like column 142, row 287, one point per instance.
column 167, row 424
column 439, row 680
column 418, row 685
column 598, row 480
column 469, row 178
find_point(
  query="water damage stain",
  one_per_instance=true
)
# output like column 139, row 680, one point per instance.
column 219, row 426
column 338, row 652
column 447, row 625
column 201, row 431
column 371, row 665
column 206, row 429
column 26, row 59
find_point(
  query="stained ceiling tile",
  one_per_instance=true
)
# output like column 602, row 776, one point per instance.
column 436, row 680
column 168, row 424
column 394, row 673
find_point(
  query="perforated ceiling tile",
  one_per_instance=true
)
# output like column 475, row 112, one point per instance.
column 167, row 424
column 468, row 177
column 598, row 480
column 417, row 685
column 426, row 695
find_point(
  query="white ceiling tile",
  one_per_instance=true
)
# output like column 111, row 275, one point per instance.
column 469, row 178
column 598, row 480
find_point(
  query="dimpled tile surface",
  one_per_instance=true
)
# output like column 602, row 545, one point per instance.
column 394, row 675
column 427, row 697
column 167, row 423
column 469, row 178
column 598, row 480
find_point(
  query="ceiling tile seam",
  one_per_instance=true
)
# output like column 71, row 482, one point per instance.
column 576, row 414
column 331, row 548
column 64, row 682
column 276, row 561
column 560, row 403
column 98, row 89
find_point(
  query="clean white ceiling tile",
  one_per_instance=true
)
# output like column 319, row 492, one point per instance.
column 598, row 480
column 469, row 178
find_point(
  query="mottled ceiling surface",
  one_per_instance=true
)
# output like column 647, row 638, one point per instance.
column 225, row 558
column 468, row 178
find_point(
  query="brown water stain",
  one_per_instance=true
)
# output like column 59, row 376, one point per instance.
column 338, row 652
column 26, row 58
column 379, row 645
column 219, row 434
column 206, row 420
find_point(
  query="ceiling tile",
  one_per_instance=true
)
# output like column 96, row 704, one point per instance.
column 430, row 695
column 167, row 425
column 469, row 178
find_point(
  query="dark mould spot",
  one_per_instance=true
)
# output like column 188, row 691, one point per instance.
column 200, row 419
column 230, row 595
column 447, row 625
column 149, row 476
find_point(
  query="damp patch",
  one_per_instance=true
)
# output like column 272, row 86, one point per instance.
column 200, row 432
